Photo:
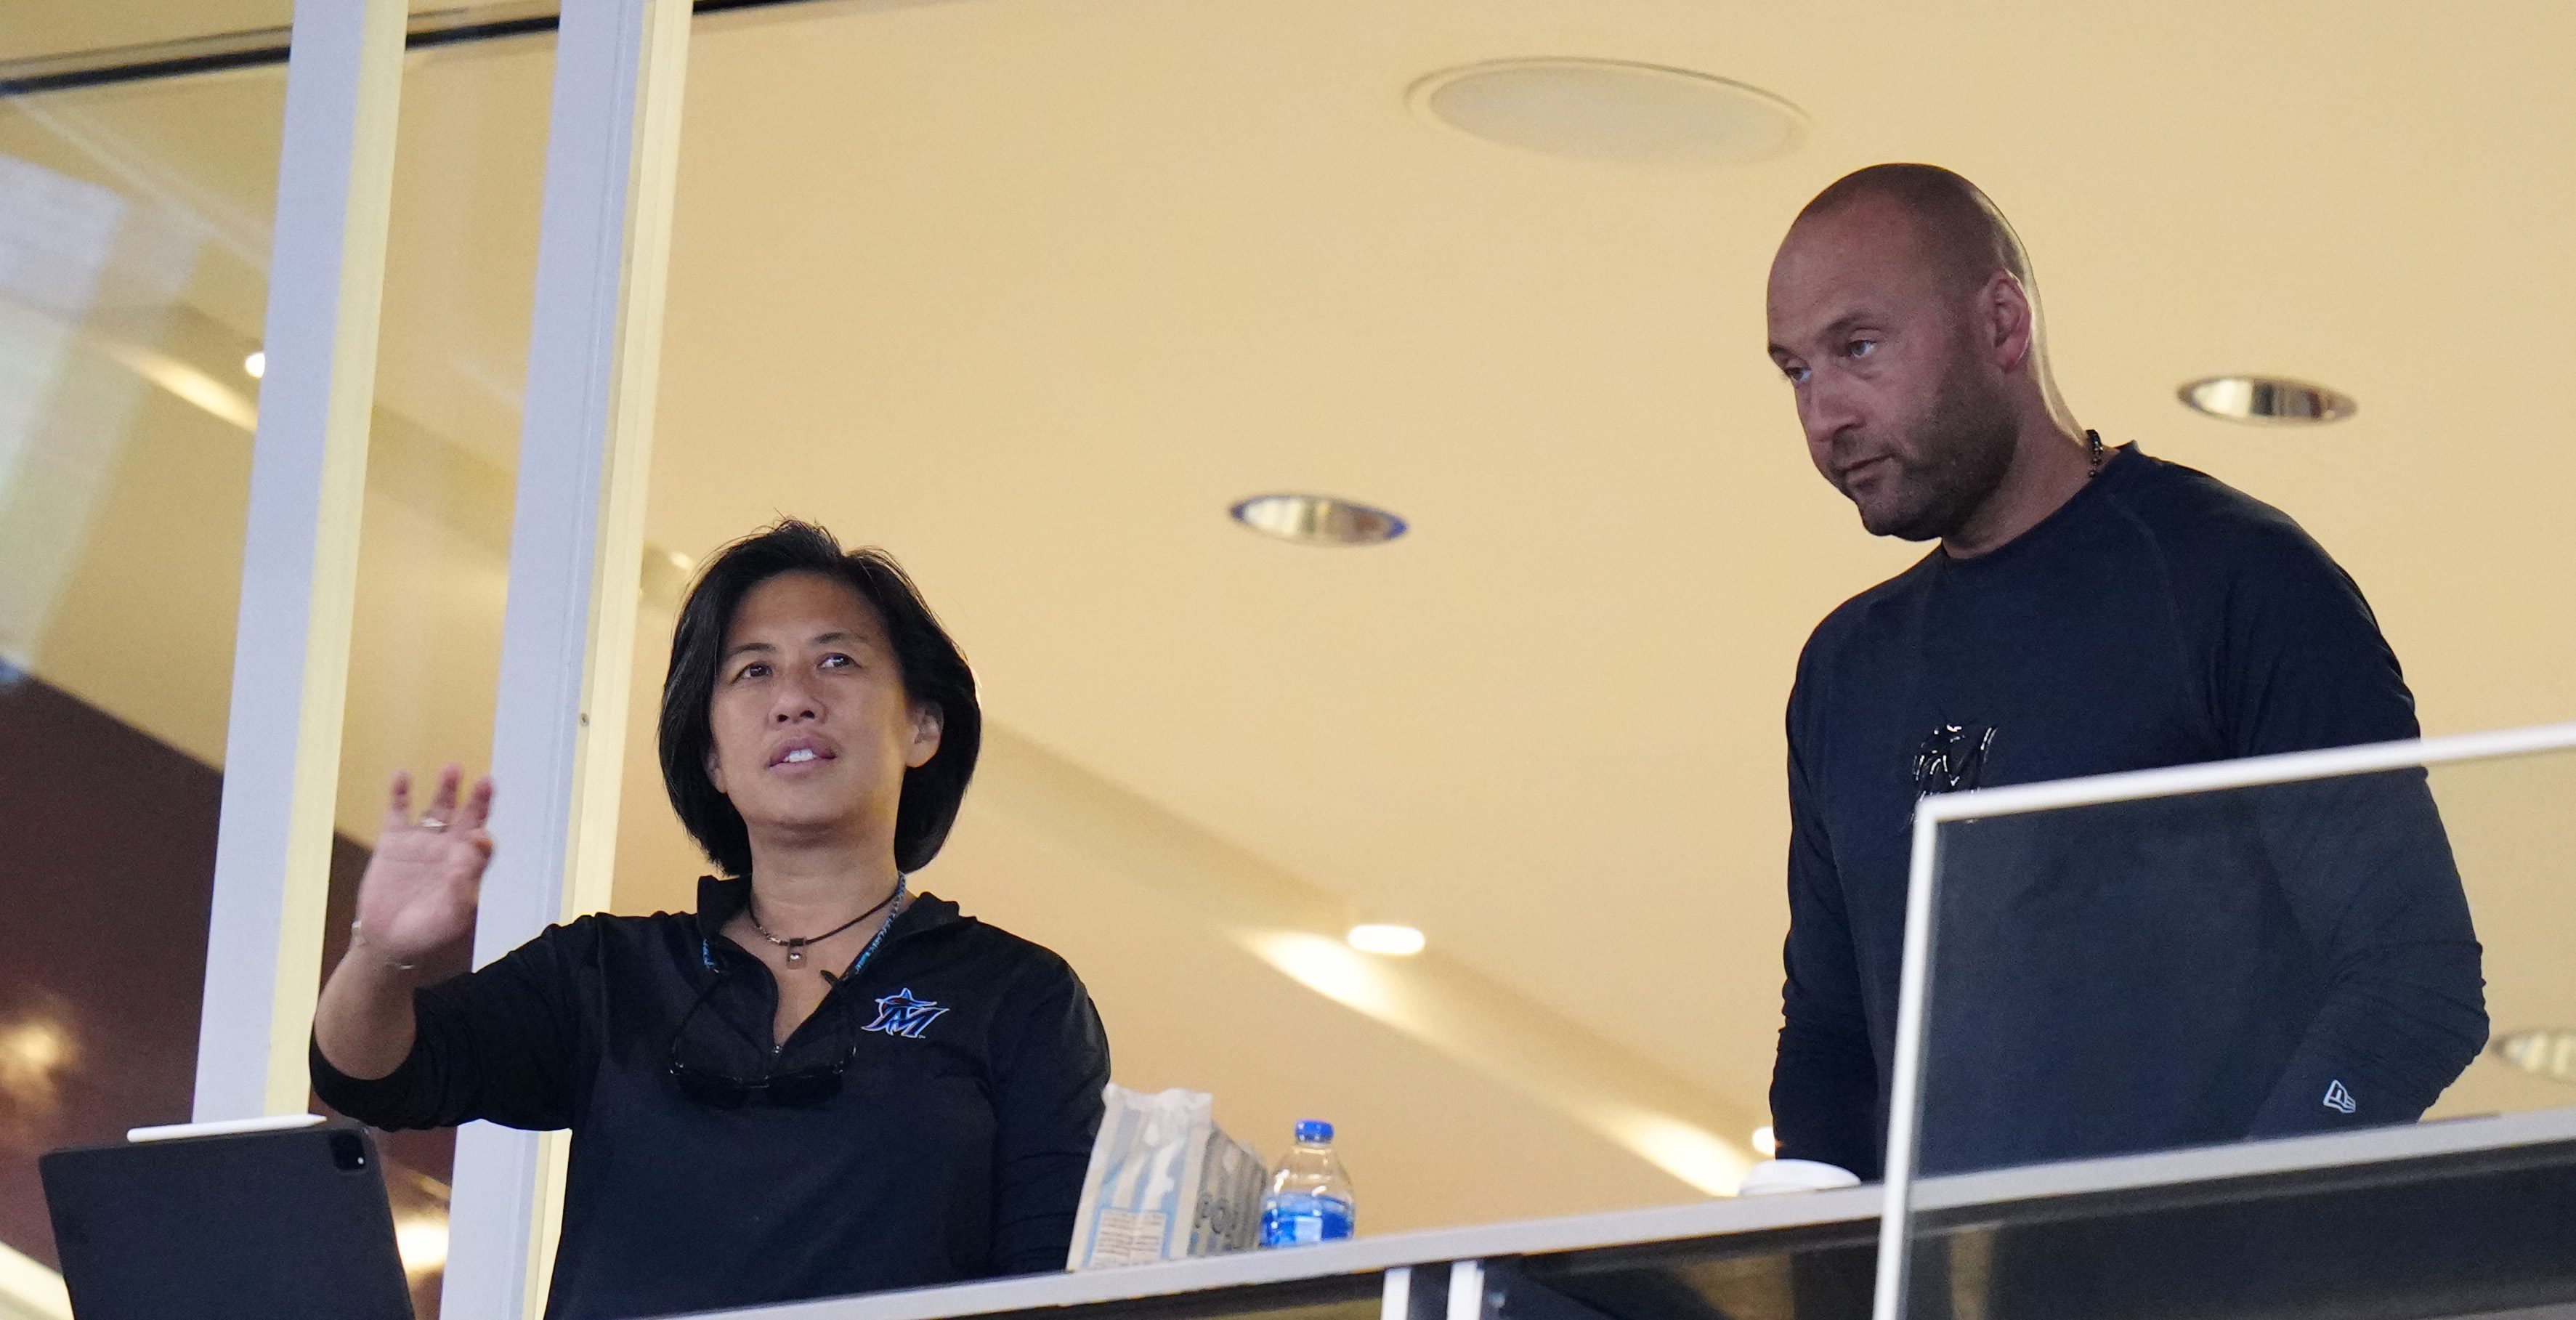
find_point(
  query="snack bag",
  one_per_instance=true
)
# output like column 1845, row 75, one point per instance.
column 1165, row 1182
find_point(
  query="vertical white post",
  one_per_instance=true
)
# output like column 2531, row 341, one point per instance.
column 1395, row 1296
column 576, row 548
column 300, row 558
column 1466, row 1290
column 1905, row 1098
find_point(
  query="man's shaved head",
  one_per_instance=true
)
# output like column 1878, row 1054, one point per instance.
column 1961, row 233
column 1902, row 312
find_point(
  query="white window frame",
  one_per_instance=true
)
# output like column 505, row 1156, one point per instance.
column 300, row 559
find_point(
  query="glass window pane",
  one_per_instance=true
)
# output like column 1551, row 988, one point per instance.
column 433, row 563
column 134, row 243
column 133, row 249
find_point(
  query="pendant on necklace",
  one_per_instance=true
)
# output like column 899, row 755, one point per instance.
column 796, row 953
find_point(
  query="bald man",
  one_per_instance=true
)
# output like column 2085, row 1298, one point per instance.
column 2111, row 980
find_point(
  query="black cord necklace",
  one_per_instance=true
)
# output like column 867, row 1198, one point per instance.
column 796, row 947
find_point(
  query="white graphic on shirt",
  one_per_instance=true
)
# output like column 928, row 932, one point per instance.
column 899, row 1014
column 2337, row 1098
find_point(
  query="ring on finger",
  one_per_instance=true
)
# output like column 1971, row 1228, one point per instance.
column 432, row 823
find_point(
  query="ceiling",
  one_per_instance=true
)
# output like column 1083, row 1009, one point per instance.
column 1030, row 291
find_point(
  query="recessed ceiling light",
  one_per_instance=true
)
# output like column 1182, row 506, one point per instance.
column 1318, row 520
column 1395, row 941
column 256, row 365
column 2266, row 399
column 1612, row 110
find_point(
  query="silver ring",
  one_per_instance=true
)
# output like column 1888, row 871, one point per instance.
column 432, row 823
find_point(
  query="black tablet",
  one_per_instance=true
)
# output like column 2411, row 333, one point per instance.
column 247, row 1226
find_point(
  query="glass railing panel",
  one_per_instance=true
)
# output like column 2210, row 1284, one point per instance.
column 2348, row 953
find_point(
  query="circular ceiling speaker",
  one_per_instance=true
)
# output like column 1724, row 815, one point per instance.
column 1612, row 110
column 2266, row 399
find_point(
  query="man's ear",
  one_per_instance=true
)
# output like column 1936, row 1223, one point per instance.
column 927, row 724
column 715, row 771
column 2007, row 321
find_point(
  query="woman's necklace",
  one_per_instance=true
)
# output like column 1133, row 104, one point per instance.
column 796, row 947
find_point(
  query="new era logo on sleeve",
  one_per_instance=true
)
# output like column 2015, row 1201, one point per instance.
column 2339, row 1099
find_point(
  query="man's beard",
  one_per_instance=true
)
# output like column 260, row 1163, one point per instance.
column 1961, row 450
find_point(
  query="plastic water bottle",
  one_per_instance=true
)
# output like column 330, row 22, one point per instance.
column 1310, row 1197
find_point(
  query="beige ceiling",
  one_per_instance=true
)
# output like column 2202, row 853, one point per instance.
column 1030, row 290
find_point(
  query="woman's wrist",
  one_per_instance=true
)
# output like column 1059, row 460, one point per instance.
column 369, row 955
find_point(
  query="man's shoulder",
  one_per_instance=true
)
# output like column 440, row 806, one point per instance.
column 2223, row 554
column 2197, row 520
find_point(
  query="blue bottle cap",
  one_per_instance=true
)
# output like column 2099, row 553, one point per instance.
column 1314, row 1130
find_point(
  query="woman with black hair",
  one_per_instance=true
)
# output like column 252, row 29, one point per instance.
column 821, row 1082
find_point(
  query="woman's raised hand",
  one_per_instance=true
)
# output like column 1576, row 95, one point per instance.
column 419, row 891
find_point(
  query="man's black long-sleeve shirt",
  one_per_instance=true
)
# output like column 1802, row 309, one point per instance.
column 2122, row 978
column 955, row 1148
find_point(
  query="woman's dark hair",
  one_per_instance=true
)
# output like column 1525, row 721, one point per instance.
column 933, row 672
